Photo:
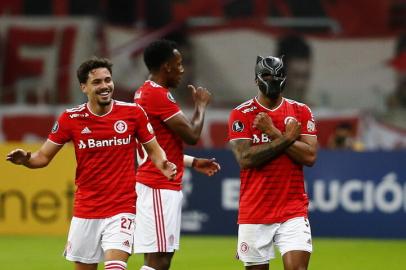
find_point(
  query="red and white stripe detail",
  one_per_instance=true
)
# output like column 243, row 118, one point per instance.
column 159, row 221
column 115, row 265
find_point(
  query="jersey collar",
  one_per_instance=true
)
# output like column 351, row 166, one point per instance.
column 111, row 109
column 271, row 110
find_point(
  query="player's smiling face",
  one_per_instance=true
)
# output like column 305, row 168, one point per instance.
column 99, row 87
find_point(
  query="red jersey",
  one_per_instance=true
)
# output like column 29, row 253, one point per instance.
column 104, row 148
column 274, row 192
column 160, row 106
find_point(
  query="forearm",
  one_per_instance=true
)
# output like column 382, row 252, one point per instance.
column 36, row 160
column 197, row 122
column 302, row 153
column 261, row 154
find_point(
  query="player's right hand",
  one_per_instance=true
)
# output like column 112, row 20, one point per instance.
column 264, row 123
column 201, row 96
column 169, row 169
column 18, row 156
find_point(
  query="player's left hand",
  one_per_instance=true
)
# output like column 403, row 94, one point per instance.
column 264, row 123
column 206, row 166
column 169, row 169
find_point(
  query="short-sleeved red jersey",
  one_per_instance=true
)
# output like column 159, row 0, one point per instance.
column 160, row 106
column 105, row 155
column 274, row 192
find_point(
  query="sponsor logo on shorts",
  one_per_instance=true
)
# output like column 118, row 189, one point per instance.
column 244, row 247
column 126, row 243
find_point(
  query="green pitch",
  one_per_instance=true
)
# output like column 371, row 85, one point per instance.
column 217, row 253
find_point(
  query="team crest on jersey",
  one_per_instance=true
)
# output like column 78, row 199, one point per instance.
column 120, row 126
column 150, row 129
column 287, row 119
column 170, row 97
column 311, row 126
column 238, row 126
column 55, row 127
column 244, row 247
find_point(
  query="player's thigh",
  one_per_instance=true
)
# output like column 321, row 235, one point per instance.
column 158, row 220
column 296, row 260
column 84, row 266
column 118, row 236
column 294, row 235
column 255, row 243
column 83, row 244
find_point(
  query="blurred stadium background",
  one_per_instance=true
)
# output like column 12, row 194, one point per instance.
column 346, row 59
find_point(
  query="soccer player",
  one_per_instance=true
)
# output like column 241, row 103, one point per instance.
column 103, row 132
column 159, row 202
column 272, row 138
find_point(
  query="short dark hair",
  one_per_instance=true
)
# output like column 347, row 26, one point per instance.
column 158, row 52
column 293, row 46
column 95, row 62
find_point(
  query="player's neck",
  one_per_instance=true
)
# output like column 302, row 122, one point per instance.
column 156, row 78
column 99, row 109
column 269, row 103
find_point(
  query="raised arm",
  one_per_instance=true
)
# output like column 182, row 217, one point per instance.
column 190, row 131
column 38, row 159
column 158, row 157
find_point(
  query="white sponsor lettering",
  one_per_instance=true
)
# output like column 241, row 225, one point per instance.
column 356, row 196
column 92, row 143
column 264, row 138
column 230, row 193
column 353, row 195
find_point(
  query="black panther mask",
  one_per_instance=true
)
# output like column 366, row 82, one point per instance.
column 270, row 66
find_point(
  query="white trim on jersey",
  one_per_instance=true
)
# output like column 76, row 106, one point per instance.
column 172, row 116
column 122, row 103
column 242, row 138
column 245, row 104
column 148, row 141
column 111, row 109
column 55, row 142
column 78, row 108
column 314, row 135
column 291, row 101
column 272, row 110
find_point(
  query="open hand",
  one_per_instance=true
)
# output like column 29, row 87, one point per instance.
column 18, row 156
column 206, row 166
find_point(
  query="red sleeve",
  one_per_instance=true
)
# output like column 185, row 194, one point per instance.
column 238, row 126
column 60, row 133
column 144, row 131
column 163, row 105
column 307, row 121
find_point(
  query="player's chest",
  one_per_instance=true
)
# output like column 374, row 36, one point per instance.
column 279, row 120
column 103, row 128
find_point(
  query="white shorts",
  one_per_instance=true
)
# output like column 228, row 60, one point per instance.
column 158, row 219
column 256, row 241
column 88, row 239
